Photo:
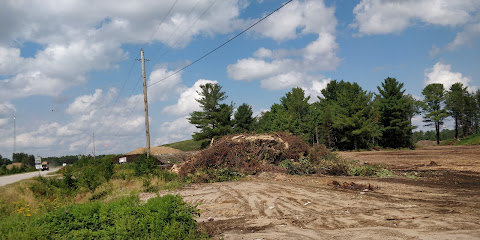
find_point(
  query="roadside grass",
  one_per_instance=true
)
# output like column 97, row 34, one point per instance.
column 187, row 145
column 470, row 140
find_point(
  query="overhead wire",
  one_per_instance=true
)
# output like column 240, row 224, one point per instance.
column 167, row 42
column 188, row 29
column 221, row 45
column 203, row 56
column 152, row 35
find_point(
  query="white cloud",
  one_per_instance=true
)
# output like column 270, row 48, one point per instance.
column 163, row 88
column 177, row 130
column 187, row 103
column 55, row 68
column 441, row 73
column 120, row 126
column 385, row 16
column 75, row 38
column 466, row 37
column 281, row 68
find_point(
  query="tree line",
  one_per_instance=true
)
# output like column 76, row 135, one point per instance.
column 346, row 116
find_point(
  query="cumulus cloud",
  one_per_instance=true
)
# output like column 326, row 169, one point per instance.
column 177, row 130
column 120, row 126
column 163, row 88
column 75, row 38
column 286, row 68
column 441, row 73
column 187, row 102
column 384, row 16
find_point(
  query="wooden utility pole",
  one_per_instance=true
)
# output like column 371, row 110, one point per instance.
column 147, row 126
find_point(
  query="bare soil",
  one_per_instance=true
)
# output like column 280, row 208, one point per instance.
column 440, row 202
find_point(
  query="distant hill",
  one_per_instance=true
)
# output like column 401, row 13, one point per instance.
column 187, row 145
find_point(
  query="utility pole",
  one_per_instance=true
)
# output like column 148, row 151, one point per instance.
column 94, row 155
column 147, row 126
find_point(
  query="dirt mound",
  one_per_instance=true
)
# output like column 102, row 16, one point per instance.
column 154, row 150
column 17, row 165
column 248, row 153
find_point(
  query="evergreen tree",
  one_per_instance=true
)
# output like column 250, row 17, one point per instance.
column 455, row 104
column 353, row 118
column 396, row 111
column 433, row 108
column 243, row 118
column 296, row 105
column 476, row 112
column 215, row 119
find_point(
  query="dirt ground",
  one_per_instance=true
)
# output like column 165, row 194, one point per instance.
column 441, row 201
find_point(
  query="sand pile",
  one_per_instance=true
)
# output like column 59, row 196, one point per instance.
column 155, row 151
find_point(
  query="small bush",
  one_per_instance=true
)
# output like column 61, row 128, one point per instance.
column 144, row 165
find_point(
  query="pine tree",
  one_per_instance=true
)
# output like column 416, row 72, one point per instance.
column 353, row 115
column 215, row 119
column 396, row 111
column 455, row 104
column 433, row 108
column 243, row 118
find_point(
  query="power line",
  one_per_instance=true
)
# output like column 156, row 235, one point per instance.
column 202, row 57
column 154, row 32
column 188, row 29
column 179, row 25
column 161, row 22
column 221, row 45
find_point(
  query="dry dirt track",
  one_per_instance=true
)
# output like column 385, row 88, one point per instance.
column 439, row 205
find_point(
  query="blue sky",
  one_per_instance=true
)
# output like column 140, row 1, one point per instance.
column 68, row 68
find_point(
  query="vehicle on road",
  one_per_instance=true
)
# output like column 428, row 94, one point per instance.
column 44, row 165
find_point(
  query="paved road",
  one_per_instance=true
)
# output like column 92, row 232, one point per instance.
column 4, row 180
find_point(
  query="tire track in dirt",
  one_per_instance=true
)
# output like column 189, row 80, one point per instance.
column 289, row 207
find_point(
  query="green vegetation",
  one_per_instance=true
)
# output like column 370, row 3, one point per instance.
column 345, row 117
column 396, row 111
column 87, row 202
column 166, row 217
column 470, row 140
column 27, row 164
column 187, row 145
column 215, row 119
column 433, row 106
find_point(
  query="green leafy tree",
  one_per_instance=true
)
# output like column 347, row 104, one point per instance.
column 396, row 111
column 435, row 113
column 215, row 119
column 243, row 118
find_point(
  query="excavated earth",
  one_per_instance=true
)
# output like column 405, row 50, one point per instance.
column 435, row 196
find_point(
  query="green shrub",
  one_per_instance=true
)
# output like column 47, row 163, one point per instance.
column 89, row 178
column 144, row 165
column 166, row 217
